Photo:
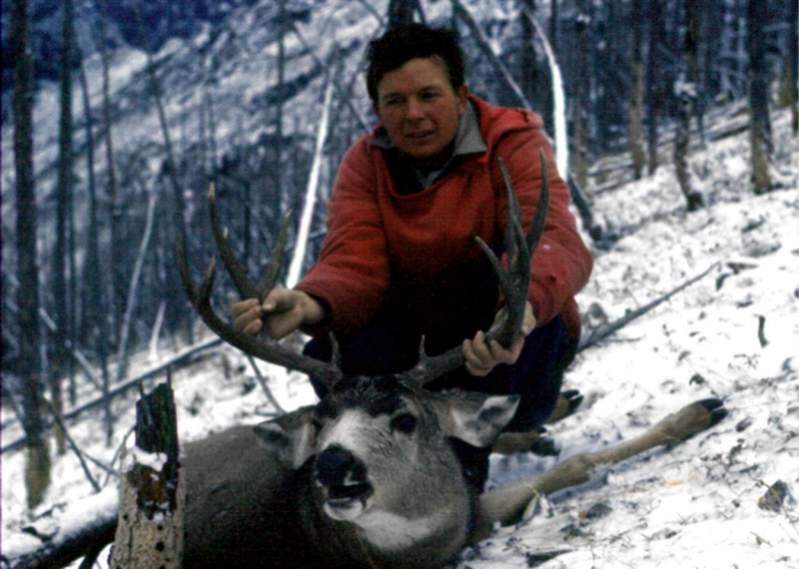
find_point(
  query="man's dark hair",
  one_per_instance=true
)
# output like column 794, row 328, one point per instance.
column 401, row 44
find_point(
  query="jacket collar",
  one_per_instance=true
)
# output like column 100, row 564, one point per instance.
column 468, row 139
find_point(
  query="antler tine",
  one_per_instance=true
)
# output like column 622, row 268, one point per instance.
column 514, row 282
column 263, row 348
column 235, row 269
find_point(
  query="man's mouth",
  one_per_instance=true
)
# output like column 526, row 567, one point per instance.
column 420, row 135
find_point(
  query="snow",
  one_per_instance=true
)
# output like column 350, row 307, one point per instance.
column 695, row 505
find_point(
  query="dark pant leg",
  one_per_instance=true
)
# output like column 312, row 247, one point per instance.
column 384, row 346
column 536, row 377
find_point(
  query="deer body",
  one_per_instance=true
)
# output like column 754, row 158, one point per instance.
column 367, row 478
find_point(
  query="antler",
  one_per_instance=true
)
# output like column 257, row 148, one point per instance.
column 261, row 347
column 514, row 282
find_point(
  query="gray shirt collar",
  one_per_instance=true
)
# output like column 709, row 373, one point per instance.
column 468, row 140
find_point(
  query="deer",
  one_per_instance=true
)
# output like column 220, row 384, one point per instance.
column 367, row 477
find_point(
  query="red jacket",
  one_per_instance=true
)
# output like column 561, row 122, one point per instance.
column 375, row 234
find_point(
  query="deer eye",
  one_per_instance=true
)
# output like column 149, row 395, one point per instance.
column 404, row 423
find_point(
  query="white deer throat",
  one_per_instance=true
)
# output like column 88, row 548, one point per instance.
column 389, row 532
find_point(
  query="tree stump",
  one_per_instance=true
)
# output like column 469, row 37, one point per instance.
column 150, row 526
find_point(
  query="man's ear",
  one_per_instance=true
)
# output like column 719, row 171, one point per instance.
column 291, row 436
column 463, row 97
column 479, row 420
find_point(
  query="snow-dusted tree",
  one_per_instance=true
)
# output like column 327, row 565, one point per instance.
column 656, row 92
column 792, row 66
column 685, row 97
column 94, row 326
column 117, row 258
column 760, row 125
column 637, row 103
column 60, row 355
column 401, row 12
column 582, row 93
column 37, row 460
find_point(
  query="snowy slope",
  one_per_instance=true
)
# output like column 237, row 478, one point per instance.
column 693, row 506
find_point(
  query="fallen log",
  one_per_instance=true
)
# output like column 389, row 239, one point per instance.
column 83, row 527
column 611, row 328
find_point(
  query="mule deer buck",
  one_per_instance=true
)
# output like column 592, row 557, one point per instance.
column 368, row 476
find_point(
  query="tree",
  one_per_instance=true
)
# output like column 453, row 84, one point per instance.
column 792, row 67
column 37, row 466
column 685, row 97
column 401, row 12
column 63, row 208
column 117, row 260
column 637, row 106
column 581, row 97
column 95, row 320
column 150, row 527
column 655, row 90
column 760, row 123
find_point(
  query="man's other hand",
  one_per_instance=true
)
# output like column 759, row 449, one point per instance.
column 282, row 312
column 482, row 356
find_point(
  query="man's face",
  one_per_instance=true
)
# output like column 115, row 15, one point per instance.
column 418, row 106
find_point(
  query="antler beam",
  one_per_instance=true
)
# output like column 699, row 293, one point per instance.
column 514, row 282
column 261, row 347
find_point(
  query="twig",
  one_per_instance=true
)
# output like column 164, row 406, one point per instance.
column 123, row 387
column 72, row 445
column 761, row 330
column 264, row 386
column 612, row 327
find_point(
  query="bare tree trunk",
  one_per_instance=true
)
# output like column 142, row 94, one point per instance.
column 685, row 94
column 792, row 67
column 581, row 101
column 760, row 127
column 150, row 523
column 637, row 106
column 400, row 12
column 64, row 195
column 95, row 311
column 655, row 92
column 462, row 13
column 122, row 355
column 282, row 187
column 37, row 460
column 301, row 243
column 117, row 302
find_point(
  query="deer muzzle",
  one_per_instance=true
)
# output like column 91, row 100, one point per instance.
column 343, row 482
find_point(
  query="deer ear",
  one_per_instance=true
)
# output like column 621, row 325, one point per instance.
column 480, row 421
column 291, row 436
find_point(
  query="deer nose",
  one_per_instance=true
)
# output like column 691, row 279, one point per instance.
column 336, row 466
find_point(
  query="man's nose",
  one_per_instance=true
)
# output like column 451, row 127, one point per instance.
column 414, row 110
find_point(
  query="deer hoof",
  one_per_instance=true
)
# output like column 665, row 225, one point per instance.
column 715, row 408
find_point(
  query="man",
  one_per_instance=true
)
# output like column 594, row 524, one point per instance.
column 400, row 260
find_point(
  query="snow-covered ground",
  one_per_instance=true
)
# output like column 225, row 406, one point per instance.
column 733, row 335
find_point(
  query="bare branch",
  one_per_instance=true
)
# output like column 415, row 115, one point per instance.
column 612, row 327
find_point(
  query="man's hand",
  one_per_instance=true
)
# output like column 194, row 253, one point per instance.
column 282, row 311
column 482, row 357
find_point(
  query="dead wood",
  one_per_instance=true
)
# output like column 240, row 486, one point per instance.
column 611, row 328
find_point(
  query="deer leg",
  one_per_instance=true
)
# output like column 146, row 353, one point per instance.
column 535, row 441
column 568, row 402
column 507, row 504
